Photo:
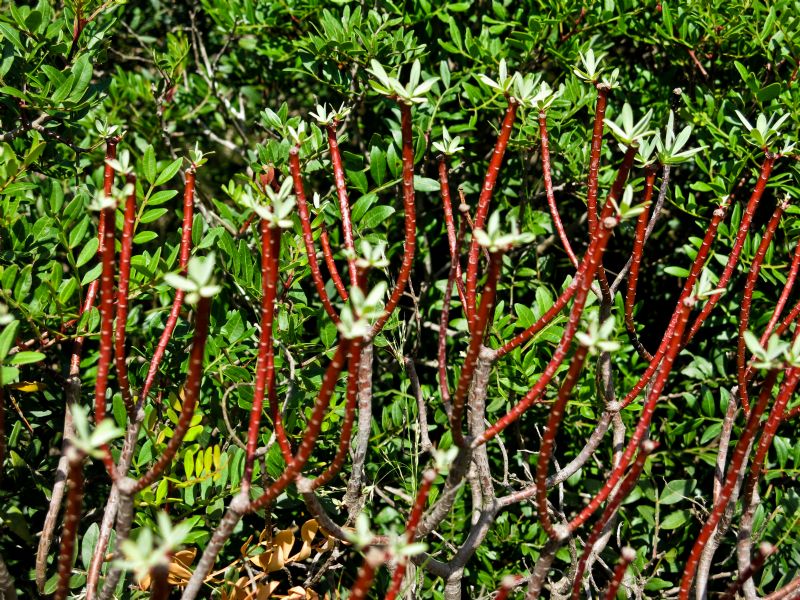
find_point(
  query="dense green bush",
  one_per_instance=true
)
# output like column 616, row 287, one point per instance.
column 226, row 102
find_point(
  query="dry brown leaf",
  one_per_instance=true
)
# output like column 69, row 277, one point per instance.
column 307, row 533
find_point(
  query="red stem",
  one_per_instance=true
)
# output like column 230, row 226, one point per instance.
column 72, row 517
column 366, row 575
column 674, row 346
column 787, row 289
column 122, row 297
column 172, row 319
column 265, row 348
column 108, row 183
column 776, row 417
column 625, row 488
column 353, row 361
column 747, row 297
column 411, row 529
column 627, row 556
column 485, row 197
column 738, row 244
column 444, row 186
column 344, row 203
column 594, row 157
column 485, row 312
column 548, row 188
column 305, row 221
column 593, row 258
column 107, row 298
column 410, row 223
column 549, row 438
column 444, row 321
column 765, row 550
column 633, row 274
column 327, row 253
column 191, row 393
column 312, row 431
column 688, row 286
column 737, row 460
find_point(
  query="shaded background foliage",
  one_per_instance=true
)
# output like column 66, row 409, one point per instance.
column 176, row 74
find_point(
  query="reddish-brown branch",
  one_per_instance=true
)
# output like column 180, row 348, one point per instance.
column 594, row 156
column 308, row 240
column 673, row 347
column 688, row 286
column 72, row 517
column 366, row 574
column 410, row 221
column 108, row 184
column 327, row 253
column 765, row 550
column 784, row 297
column 122, row 297
column 625, row 488
column 107, row 298
column 344, row 203
column 747, row 298
column 633, row 274
column 489, row 182
column 485, row 312
column 312, row 430
column 548, row 188
column 593, row 258
column 737, row 460
column 411, row 530
column 351, row 400
column 191, row 393
column 453, row 244
column 265, row 371
column 177, row 302
column 444, row 320
column 549, row 438
column 738, row 244
column 627, row 556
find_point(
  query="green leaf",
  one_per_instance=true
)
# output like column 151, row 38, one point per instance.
column 153, row 215
column 677, row 271
column 7, row 338
column 377, row 165
column 149, row 164
column 675, row 519
column 63, row 90
column 425, row 184
column 92, row 274
column 82, row 74
column 144, row 236
column 377, row 215
column 88, row 252
column 169, row 171
column 677, row 490
column 26, row 358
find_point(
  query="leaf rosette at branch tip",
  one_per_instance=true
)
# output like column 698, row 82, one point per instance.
column 495, row 240
column 372, row 256
column 90, row 441
column 776, row 354
column 105, row 130
column 591, row 68
column 103, row 201
column 765, row 131
column 357, row 316
column 626, row 209
column 449, row 145
column 596, row 336
column 325, row 116
column 149, row 551
column 627, row 131
column 199, row 281
column 414, row 92
column 504, row 82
